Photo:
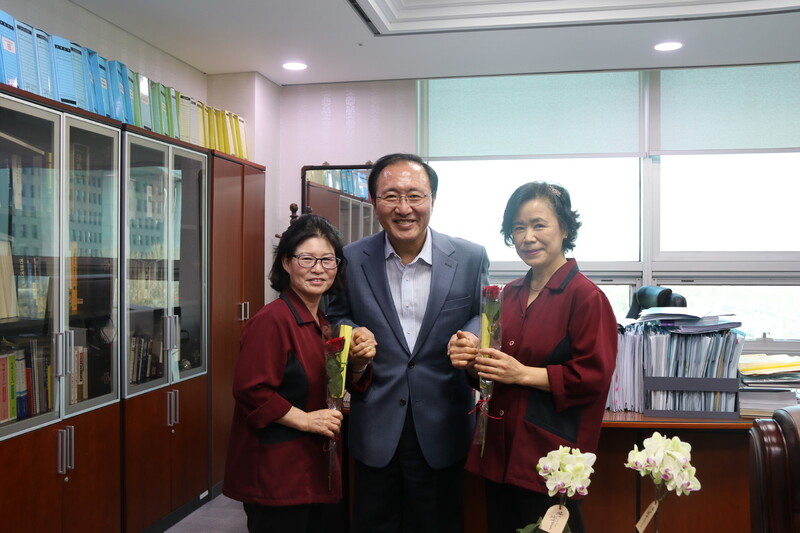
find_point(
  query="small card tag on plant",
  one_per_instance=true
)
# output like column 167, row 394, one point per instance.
column 555, row 519
column 644, row 521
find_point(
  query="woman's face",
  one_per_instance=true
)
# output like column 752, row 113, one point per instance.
column 310, row 283
column 538, row 236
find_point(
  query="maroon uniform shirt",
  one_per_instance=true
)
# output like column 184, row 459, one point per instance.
column 281, row 363
column 570, row 330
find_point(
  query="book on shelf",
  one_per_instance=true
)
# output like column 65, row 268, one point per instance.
column 8, row 50
column 26, row 50
column 63, row 70
column 22, row 384
column 44, row 61
column 9, row 304
column 5, row 393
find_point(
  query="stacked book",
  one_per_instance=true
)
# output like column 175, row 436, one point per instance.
column 60, row 69
column 768, row 382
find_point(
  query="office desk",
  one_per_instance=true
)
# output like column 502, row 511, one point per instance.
column 618, row 495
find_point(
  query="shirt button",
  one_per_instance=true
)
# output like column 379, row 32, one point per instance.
column 511, row 343
column 402, row 402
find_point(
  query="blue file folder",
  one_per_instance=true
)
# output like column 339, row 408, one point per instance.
column 8, row 50
column 26, row 50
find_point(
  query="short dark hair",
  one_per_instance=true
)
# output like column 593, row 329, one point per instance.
column 385, row 161
column 302, row 229
column 558, row 197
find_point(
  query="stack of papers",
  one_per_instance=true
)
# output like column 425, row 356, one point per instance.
column 689, row 320
column 769, row 382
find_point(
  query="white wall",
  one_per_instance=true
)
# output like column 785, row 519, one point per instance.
column 341, row 124
column 70, row 21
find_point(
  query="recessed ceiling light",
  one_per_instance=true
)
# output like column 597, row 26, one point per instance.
column 292, row 65
column 668, row 46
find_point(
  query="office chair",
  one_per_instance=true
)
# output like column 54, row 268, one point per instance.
column 775, row 472
column 651, row 296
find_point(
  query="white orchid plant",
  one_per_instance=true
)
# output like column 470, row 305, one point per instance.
column 668, row 463
column 566, row 471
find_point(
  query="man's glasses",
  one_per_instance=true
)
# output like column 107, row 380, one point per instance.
column 413, row 199
column 308, row 261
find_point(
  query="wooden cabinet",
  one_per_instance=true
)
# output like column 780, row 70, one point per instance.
column 237, row 284
column 55, row 477
column 166, row 445
column 339, row 193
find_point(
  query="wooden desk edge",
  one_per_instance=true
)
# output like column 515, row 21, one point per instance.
column 629, row 419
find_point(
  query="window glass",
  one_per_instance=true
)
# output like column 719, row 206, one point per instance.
column 771, row 310
column 585, row 113
column 730, row 202
column 730, row 108
column 619, row 296
column 605, row 192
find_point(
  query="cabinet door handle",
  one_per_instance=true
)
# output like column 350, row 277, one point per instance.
column 241, row 312
column 176, row 404
column 176, row 332
column 247, row 312
column 70, row 447
column 166, row 322
column 59, row 353
column 170, row 401
column 61, row 451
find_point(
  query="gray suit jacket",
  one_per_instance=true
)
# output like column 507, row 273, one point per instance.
column 424, row 380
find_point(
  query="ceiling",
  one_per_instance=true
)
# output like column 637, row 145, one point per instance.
column 362, row 40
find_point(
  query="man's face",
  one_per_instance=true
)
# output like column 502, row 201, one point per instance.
column 406, row 225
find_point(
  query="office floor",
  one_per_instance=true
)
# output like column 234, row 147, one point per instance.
column 220, row 515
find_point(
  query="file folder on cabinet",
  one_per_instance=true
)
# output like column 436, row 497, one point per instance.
column 155, row 107
column 26, row 51
column 44, row 62
column 186, row 111
column 163, row 105
column 63, row 69
column 200, row 120
column 174, row 99
column 132, row 106
column 144, row 103
column 117, row 95
column 244, row 152
column 98, row 67
column 211, row 127
column 8, row 50
column 79, row 76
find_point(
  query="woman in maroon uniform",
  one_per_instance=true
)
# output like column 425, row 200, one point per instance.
column 552, row 375
column 277, row 455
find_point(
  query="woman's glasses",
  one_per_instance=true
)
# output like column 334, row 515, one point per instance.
column 308, row 261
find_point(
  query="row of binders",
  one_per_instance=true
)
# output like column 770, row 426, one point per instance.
column 664, row 369
column 348, row 180
column 56, row 68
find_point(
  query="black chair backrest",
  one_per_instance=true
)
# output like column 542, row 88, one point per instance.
column 648, row 296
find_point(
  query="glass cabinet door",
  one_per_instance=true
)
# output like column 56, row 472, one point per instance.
column 91, row 264
column 146, row 272
column 189, row 252
column 29, row 265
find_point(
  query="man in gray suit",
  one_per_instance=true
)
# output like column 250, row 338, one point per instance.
column 409, row 291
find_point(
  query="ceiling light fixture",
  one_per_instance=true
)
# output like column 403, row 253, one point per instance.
column 668, row 46
column 293, row 65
